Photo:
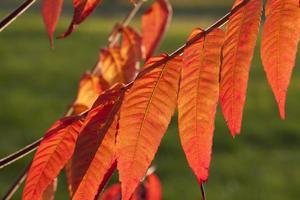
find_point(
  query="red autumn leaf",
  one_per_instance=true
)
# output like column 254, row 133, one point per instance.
column 198, row 98
column 51, row 11
column 49, row 193
column 145, row 114
column 155, row 22
column 112, row 193
column 240, row 39
column 93, row 137
column 104, row 157
column 53, row 153
column 153, row 188
column 150, row 189
column 280, row 39
column 82, row 9
column 90, row 87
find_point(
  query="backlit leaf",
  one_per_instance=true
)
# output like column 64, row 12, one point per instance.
column 94, row 135
column 82, row 9
column 90, row 87
column 131, row 51
column 198, row 98
column 153, row 188
column 145, row 115
column 280, row 39
column 155, row 22
column 240, row 39
column 49, row 193
column 51, row 11
column 103, row 159
column 53, row 153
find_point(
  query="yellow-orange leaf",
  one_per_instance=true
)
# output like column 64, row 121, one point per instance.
column 198, row 98
column 90, row 87
column 155, row 22
column 280, row 39
column 93, row 136
column 131, row 51
column 53, row 153
column 112, row 65
column 145, row 115
column 240, row 39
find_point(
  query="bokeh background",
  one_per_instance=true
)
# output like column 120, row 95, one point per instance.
column 37, row 84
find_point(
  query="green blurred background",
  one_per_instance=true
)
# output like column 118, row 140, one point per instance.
column 37, row 84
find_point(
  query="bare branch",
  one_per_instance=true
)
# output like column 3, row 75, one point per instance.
column 16, row 13
column 19, row 154
column 12, row 190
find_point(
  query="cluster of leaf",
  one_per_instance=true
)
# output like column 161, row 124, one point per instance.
column 122, row 112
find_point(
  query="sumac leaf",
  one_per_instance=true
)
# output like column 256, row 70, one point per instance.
column 144, row 118
column 51, row 11
column 280, row 39
column 90, row 87
column 49, row 193
column 240, row 39
column 198, row 98
column 104, row 157
column 93, row 135
column 82, row 9
column 153, row 188
column 155, row 22
column 55, row 150
column 131, row 51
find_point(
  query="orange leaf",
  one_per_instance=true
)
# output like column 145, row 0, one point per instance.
column 198, row 98
column 153, row 188
column 155, row 22
column 145, row 115
column 49, row 193
column 53, row 153
column 131, row 51
column 112, row 65
column 103, row 159
column 240, row 39
column 82, row 9
column 90, row 87
column 280, row 38
column 96, row 134
column 51, row 11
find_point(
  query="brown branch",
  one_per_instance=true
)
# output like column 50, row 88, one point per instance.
column 12, row 190
column 115, row 34
column 202, row 192
column 19, row 154
column 16, row 13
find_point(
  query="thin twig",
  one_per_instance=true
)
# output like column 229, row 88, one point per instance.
column 16, row 13
column 19, row 154
column 115, row 34
column 203, row 192
column 16, row 185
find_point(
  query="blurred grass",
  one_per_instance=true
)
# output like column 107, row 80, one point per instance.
column 37, row 84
